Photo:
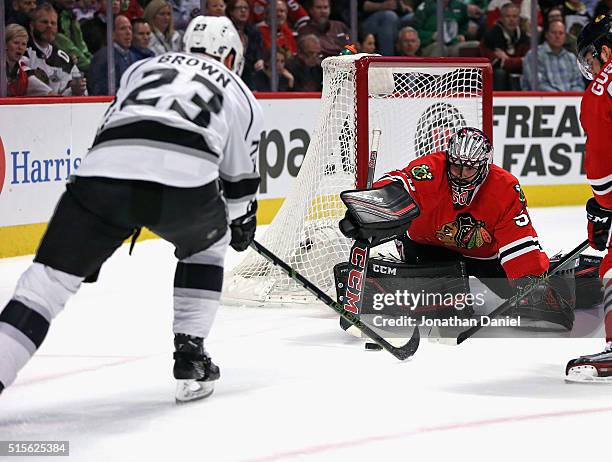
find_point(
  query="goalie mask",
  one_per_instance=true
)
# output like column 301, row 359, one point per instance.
column 468, row 155
column 216, row 37
column 590, row 41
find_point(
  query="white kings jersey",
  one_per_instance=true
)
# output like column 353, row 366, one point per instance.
column 181, row 120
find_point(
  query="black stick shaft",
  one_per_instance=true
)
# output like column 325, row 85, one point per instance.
column 403, row 352
column 501, row 309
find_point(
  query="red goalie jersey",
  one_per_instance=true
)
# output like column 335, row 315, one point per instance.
column 496, row 224
column 596, row 120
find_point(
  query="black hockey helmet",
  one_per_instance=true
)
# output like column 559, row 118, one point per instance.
column 594, row 35
column 468, row 155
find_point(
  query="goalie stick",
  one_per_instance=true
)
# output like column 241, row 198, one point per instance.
column 358, row 260
column 360, row 251
column 403, row 352
column 501, row 309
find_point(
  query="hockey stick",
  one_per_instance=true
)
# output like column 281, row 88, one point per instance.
column 501, row 309
column 401, row 353
column 360, row 251
column 373, row 156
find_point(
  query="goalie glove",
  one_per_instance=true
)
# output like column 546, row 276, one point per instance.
column 243, row 229
column 552, row 300
column 600, row 222
column 378, row 215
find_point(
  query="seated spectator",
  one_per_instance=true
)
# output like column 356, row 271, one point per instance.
column 455, row 27
column 124, row 57
column 94, row 29
column 383, row 18
column 556, row 14
column 158, row 14
column 408, row 43
column 69, row 35
column 506, row 45
column 603, row 7
column 141, row 37
column 557, row 68
column 22, row 13
column 215, row 8
column 306, row 65
column 333, row 35
column 262, row 79
column 494, row 12
column 183, row 11
column 576, row 16
column 50, row 64
column 296, row 14
column 21, row 80
column 367, row 43
column 284, row 34
column 238, row 12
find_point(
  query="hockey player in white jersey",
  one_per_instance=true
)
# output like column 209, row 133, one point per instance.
column 176, row 153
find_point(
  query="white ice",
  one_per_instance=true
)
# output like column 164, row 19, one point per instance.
column 293, row 386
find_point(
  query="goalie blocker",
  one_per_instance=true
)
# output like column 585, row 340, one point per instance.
column 378, row 215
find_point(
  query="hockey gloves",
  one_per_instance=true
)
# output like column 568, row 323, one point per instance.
column 379, row 215
column 552, row 301
column 243, row 229
column 600, row 221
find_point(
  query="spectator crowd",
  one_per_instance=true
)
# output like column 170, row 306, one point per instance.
column 59, row 47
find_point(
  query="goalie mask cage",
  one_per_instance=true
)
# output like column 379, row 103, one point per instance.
column 416, row 102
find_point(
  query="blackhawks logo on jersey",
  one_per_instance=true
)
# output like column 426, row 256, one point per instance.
column 517, row 188
column 465, row 233
column 421, row 172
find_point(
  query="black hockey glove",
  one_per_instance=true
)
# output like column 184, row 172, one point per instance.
column 243, row 229
column 600, row 221
column 552, row 300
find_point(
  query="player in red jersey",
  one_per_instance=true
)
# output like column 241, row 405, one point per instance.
column 595, row 61
column 474, row 211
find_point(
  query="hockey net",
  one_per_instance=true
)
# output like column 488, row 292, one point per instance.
column 417, row 103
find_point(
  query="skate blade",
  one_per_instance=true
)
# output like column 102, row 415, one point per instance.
column 586, row 374
column 192, row 390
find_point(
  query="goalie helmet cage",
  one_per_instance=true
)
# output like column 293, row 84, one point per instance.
column 416, row 102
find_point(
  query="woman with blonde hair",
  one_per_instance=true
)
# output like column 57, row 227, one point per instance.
column 165, row 38
column 21, row 80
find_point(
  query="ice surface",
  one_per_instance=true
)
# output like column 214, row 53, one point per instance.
column 293, row 386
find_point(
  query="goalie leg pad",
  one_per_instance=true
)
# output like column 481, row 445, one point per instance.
column 395, row 288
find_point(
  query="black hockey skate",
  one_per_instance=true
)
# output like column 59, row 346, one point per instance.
column 193, row 369
column 595, row 368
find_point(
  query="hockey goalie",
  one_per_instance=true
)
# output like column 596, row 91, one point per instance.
column 470, row 212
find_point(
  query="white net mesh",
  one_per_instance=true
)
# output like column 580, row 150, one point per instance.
column 416, row 105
